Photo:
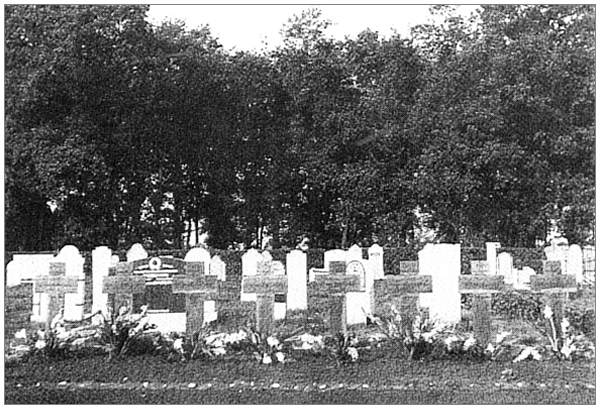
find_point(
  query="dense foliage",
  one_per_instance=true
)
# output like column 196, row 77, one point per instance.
column 118, row 131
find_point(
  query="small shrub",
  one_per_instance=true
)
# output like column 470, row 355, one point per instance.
column 517, row 305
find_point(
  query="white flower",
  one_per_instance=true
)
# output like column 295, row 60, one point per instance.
column 527, row 352
column 501, row 336
column 279, row 356
column 143, row 309
column 178, row 345
column 352, row 353
column 452, row 338
column 490, row 348
column 217, row 343
column 470, row 342
column 219, row 351
column 272, row 341
column 547, row 312
column 22, row 334
column 40, row 344
column 267, row 359
column 123, row 310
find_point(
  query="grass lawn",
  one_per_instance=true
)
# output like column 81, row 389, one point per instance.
column 148, row 379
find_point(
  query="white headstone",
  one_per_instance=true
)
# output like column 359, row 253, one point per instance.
column 523, row 281
column 25, row 267
column 296, row 274
column 201, row 255
column 101, row 262
column 266, row 256
column 491, row 249
column 442, row 263
column 217, row 267
column 114, row 260
column 74, row 267
column 354, row 253
column 505, row 267
column 558, row 250
column 333, row 255
column 136, row 252
column 279, row 308
column 575, row 262
column 358, row 304
column 376, row 261
column 250, row 261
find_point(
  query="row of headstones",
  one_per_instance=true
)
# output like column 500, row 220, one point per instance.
column 438, row 288
column 571, row 260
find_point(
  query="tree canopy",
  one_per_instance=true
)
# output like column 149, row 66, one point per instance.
column 119, row 131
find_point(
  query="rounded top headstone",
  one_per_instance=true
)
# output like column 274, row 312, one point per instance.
column 68, row 252
column 136, row 252
column 197, row 254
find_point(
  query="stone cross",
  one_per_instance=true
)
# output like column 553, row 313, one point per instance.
column 403, row 291
column 555, row 287
column 121, row 285
column 197, row 288
column 265, row 284
column 334, row 285
column 481, row 286
column 55, row 285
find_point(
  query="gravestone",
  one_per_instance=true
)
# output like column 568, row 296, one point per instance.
column 56, row 285
column 505, row 267
column 280, row 306
column 265, row 284
column 136, row 252
column 198, row 288
column 250, row 261
column 524, row 278
column 201, row 255
column 74, row 301
column 402, row 292
column 575, row 262
column 296, row 274
column 121, row 285
column 359, row 303
column 555, row 288
column 376, row 261
column 23, row 268
column 101, row 263
column 491, row 249
column 558, row 250
column 333, row 285
column 481, row 285
column 442, row 263
column 217, row 268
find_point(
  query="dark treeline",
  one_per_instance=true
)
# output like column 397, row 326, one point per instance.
column 119, row 131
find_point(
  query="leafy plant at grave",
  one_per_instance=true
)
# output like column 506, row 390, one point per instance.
column 582, row 317
column 126, row 333
column 265, row 350
column 571, row 344
column 342, row 348
column 517, row 305
column 413, row 342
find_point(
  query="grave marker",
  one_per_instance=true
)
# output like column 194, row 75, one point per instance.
column 265, row 284
column 402, row 292
column 55, row 285
column 481, row 286
column 555, row 288
column 334, row 284
column 198, row 288
column 121, row 285
column 296, row 274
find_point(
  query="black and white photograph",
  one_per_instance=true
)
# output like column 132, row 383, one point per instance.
column 299, row 204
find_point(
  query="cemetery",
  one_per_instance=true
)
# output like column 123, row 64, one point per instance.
column 273, row 315
column 299, row 204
